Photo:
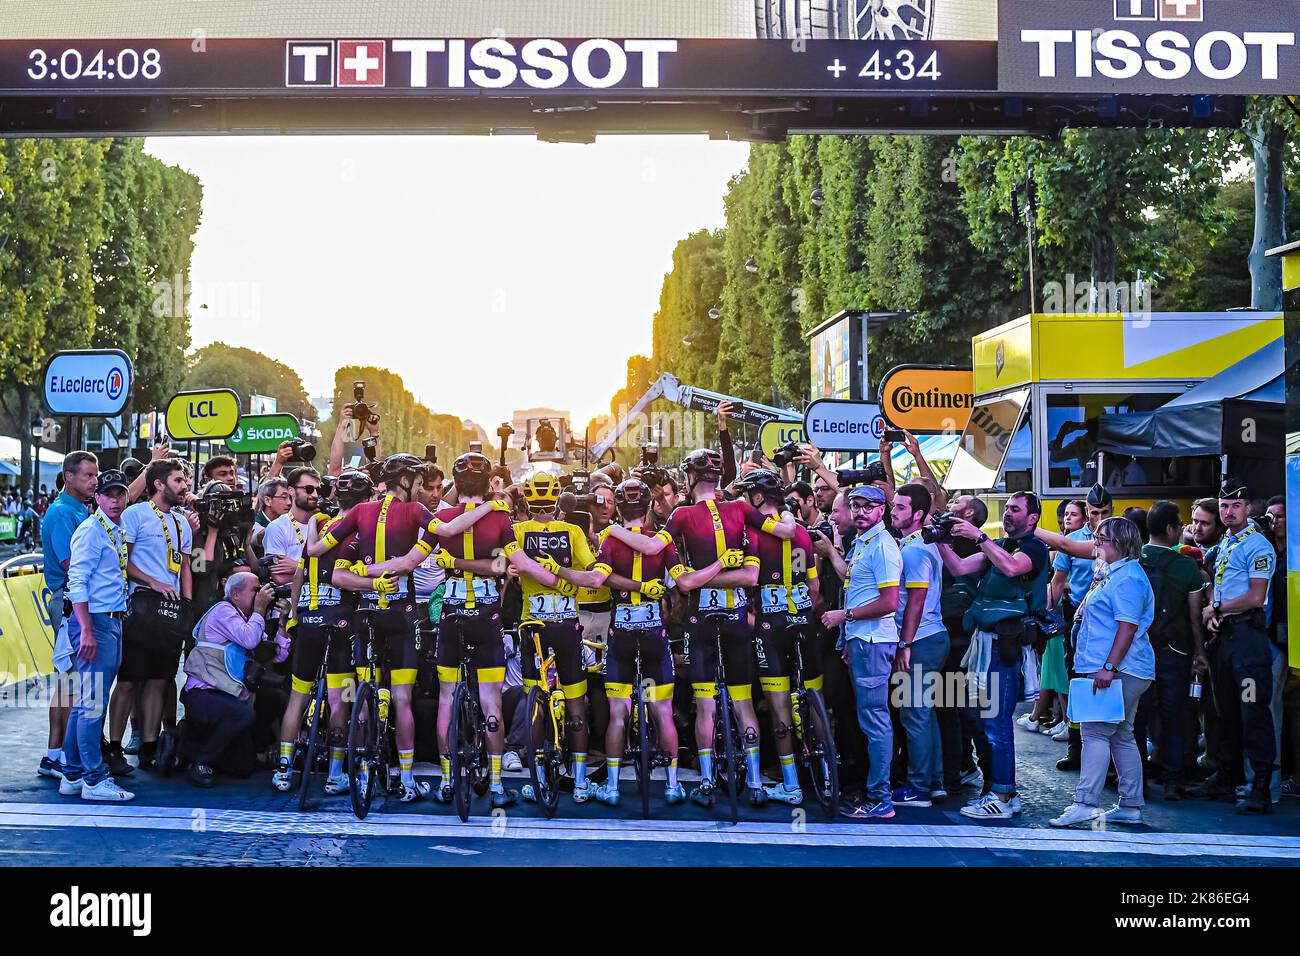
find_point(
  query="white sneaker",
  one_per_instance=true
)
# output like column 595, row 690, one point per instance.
column 1118, row 814
column 780, row 793
column 106, row 790
column 991, row 808
column 71, row 788
column 1061, row 733
column 1025, row 722
column 1074, row 815
column 511, row 762
column 581, row 794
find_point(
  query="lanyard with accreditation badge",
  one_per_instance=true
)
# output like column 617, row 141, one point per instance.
column 119, row 547
column 173, row 554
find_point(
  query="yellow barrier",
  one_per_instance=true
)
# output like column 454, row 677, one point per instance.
column 26, row 638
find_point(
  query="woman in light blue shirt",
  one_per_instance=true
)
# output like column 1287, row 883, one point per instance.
column 1112, row 647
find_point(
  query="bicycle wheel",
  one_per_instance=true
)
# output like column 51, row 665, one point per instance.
column 318, row 724
column 645, row 755
column 729, row 751
column 820, row 758
column 363, row 750
column 460, row 735
column 543, row 757
column 479, row 775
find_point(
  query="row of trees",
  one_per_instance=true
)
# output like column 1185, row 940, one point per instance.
column 249, row 373
column 88, row 231
column 927, row 225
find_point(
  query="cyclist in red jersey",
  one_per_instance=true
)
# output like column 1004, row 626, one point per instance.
column 395, row 525
column 707, row 529
column 637, row 586
column 786, row 592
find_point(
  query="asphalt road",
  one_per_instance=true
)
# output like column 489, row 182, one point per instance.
column 247, row 822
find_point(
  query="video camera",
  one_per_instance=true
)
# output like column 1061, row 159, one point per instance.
column 861, row 476
column 649, row 470
column 939, row 530
column 224, row 510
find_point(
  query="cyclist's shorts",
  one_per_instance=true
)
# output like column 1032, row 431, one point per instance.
column 394, row 626
column 701, row 652
column 564, row 640
column 656, row 663
column 774, row 641
column 309, row 640
column 483, row 628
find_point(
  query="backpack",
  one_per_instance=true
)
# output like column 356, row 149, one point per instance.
column 1170, row 627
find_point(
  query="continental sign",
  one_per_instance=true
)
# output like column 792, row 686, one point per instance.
column 258, row 434
column 928, row 399
column 194, row 416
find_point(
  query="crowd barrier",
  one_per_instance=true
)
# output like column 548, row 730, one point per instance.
column 26, row 638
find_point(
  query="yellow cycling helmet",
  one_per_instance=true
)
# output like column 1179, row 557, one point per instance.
column 542, row 492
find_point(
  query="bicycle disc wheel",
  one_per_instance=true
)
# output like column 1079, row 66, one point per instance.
column 543, row 758
column 819, row 755
column 318, row 724
column 363, row 750
column 460, row 735
column 645, row 754
column 729, row 751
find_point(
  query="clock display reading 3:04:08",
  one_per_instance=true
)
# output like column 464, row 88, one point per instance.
column 122, row 64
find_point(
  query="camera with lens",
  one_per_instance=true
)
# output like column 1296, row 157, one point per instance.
column 300, row 449
column 861, row 476
column 649, row 470
column 787, row 454
column 263, row 571
column 224, row 509
column 258, row 674
column 362, row 411
column 822, row 530
column 504, row 431
column 939, row 530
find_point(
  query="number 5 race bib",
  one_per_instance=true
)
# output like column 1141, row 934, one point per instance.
column 777, row 599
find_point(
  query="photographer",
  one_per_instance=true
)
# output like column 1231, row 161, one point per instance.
column 225, row 518
column 1013, row 586
column 216, row 733
column 803, row 502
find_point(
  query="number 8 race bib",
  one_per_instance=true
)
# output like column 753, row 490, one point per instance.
column 637, row 615
column 717, row 598
column 776, row 599
column 552, row 607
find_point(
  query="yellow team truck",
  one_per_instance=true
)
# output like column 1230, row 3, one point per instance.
column 1043, row 381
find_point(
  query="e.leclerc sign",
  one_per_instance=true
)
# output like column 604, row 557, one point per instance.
column 90, row 382
column 258, row 434
column 836, row 425
column 193, row 416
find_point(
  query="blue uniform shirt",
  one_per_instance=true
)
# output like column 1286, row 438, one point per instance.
column 1243, row 557
column 97, row 575
column 874, row 563
column 1122, row 595
column 1079, row 571
column 61, row 519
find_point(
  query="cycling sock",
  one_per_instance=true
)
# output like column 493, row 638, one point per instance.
column 613, row 763
column 579, row 770
column 336, row 761
column 672, row 772
column 751, row 764
column 406, row 760
column 444, row 764
column 286, row 750
column 55, row 754
column 494, row 768
column 706, row 765
column 789, row 773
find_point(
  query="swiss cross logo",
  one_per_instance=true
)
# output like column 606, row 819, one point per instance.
column 1186, row 10
column 361, row 62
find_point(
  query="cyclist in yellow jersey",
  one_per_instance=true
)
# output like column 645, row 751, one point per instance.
column 544, row 551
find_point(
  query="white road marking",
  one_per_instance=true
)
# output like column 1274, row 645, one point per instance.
column 860, row 836
column 458, row 850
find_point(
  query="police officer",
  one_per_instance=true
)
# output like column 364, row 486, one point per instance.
column 870, row 642
column 1240, row 580
column 97, row 590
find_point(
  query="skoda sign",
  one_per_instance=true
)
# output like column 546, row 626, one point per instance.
column 258, row 434
column 835, row 425
column 91, row 382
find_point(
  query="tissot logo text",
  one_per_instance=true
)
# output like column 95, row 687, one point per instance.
column 1164, row 54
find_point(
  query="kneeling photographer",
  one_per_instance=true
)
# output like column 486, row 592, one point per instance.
column 225, row 671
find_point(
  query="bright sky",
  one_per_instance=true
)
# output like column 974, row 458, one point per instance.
column 491, row 274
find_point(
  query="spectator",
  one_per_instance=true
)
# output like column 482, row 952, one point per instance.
column 1113, row 643
column 1139, row 517
column 1013, row 584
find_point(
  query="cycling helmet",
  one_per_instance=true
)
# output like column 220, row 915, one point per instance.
column 393, row 467
column 703, row 464
column 354, row 487
column 542, row 492
column 471, row 472
column 632, row 498
column 764, row 482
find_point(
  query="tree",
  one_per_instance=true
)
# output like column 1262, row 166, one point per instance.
column 249, row 373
